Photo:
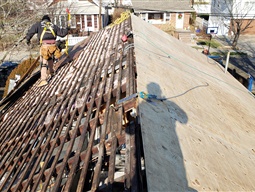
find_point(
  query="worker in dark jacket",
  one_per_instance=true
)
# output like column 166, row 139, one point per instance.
column 47, row 33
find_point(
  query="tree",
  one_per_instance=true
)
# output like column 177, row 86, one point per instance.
column 58, row 14
column 16, row 16
column 241, row 15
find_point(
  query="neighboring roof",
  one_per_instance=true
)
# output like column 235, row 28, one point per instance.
column 37, row 3
column 79, row 7
column 162, row 5
column 204, row 9
column 112, row 2
column 201, row 137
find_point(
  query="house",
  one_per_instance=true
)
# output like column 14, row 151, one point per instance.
column 84, row 16
column 129, row 114
column 37, row 4
column 203, row 11
column 222, row 14
column 202, row 8
column 171, row 12
column 114, row 3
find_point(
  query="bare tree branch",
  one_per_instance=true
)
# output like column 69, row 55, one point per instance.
column 241, row 15
column 16, row 16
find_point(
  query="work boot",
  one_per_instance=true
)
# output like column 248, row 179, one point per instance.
column 50, row 76
column 42, row 83
column 55, row 61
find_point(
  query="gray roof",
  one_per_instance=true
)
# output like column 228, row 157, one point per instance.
column 80, row 7
column 112, row 2
column 162, row 5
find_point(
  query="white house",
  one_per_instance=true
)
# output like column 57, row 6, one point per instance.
column 84, row 15
column 202, row 7
column 222, row 13
column 175, row 13
column 112, row 2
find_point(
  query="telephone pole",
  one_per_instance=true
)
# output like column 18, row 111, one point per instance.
column 100, row 14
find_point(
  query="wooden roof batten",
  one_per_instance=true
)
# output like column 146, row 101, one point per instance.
column 71, row 134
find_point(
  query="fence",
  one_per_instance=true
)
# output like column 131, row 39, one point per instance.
column 201, row 23
column 73, row 40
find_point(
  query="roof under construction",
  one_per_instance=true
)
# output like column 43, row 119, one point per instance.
column 72, row 134
column 146, row 114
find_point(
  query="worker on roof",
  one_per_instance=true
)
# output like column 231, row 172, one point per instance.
column 47, row 33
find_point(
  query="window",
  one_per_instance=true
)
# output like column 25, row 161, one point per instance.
column 73, row 21
column 89, row 21
column 95, row 20
column 59, row 21
column 156, row 16
column 62, row 21
column 168, row 15
column 56, row 20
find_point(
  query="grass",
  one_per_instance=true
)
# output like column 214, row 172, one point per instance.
column 215, row 44
column 237, row 53
column 197, row 47
column 231, row 53
column 212, row 43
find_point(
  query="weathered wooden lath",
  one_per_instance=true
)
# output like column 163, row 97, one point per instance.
column 71, row 135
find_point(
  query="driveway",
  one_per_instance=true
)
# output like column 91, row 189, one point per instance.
column 246, row 43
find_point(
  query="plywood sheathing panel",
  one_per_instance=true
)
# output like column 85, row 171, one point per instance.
column 201, row 138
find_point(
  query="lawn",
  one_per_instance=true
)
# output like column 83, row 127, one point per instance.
column 213, row 43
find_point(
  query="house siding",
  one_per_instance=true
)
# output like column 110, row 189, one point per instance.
column 241, row 9
column 248, row 31
column 187, row 17
column 251, row 30
column 172, row 20
column 164, row 7
column 84, row 16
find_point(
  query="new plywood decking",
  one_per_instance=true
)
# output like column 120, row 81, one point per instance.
column 201, row 138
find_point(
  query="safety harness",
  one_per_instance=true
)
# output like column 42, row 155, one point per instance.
column 47, row 26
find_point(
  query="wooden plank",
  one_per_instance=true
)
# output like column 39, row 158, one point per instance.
column 111, row 165
column 195, row 138
column 127, row 159
column 133, row 158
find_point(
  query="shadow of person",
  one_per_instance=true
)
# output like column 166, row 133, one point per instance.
column 164, row 163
